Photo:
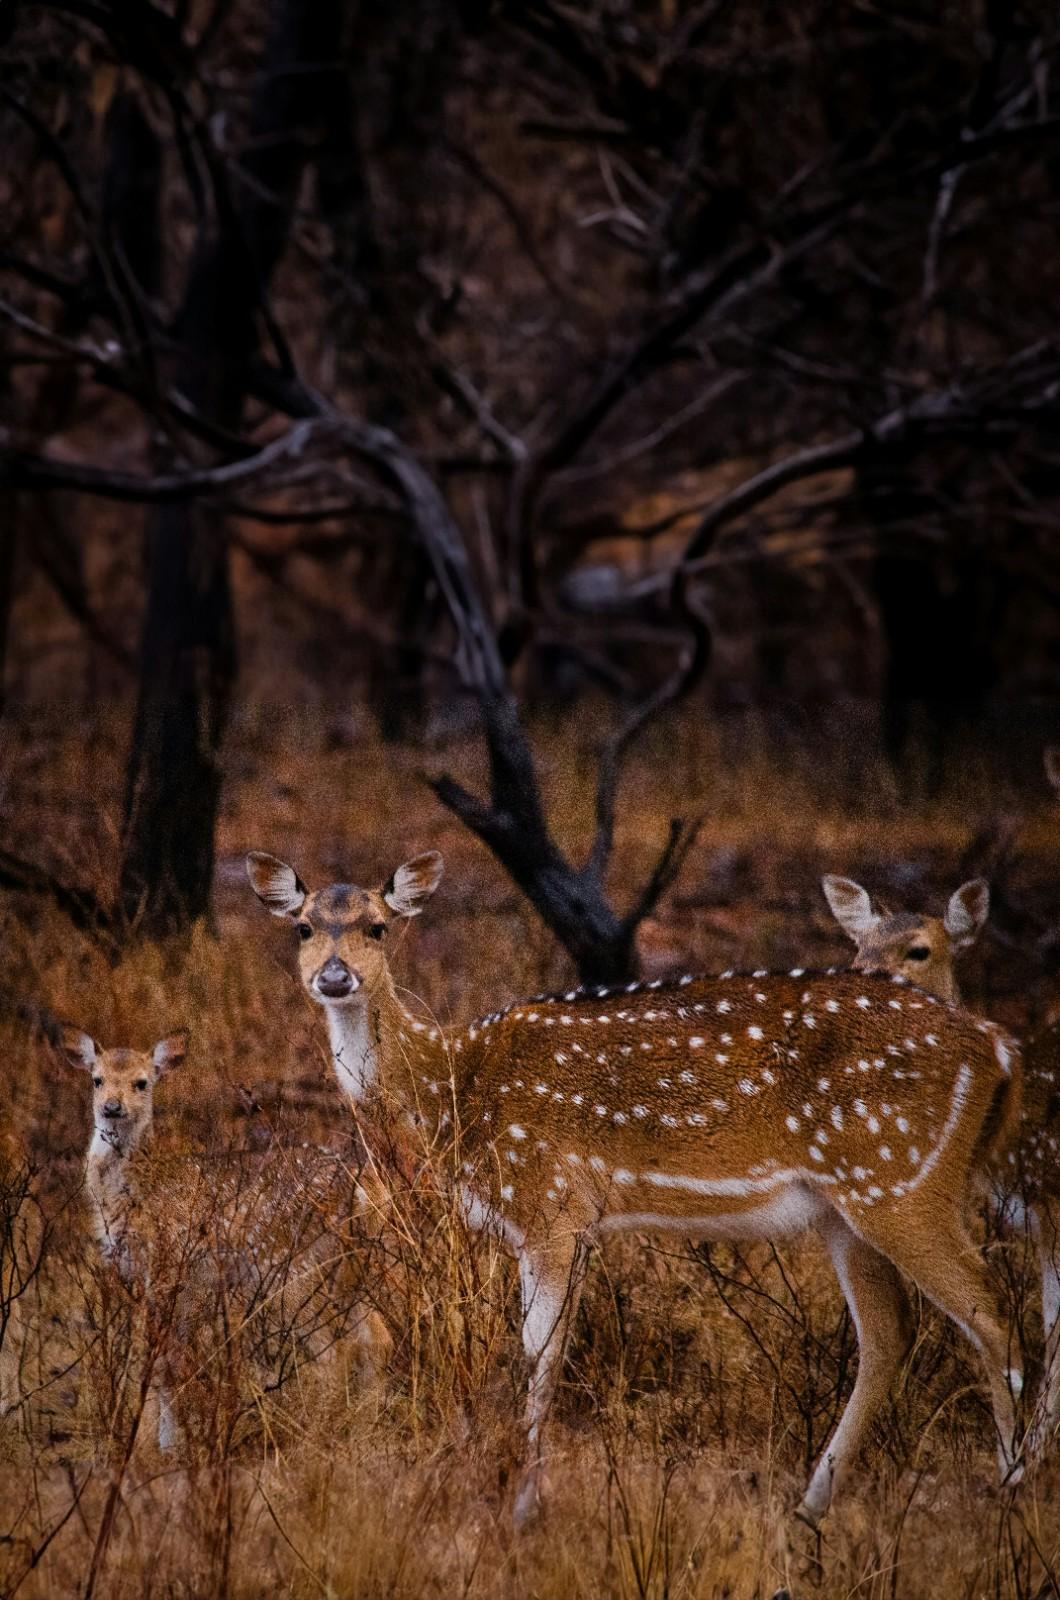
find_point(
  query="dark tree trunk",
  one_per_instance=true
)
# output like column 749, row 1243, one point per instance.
column 186, row 675
column 939, row 605
column 378, row 180
column 188, row 658
column 8, row 503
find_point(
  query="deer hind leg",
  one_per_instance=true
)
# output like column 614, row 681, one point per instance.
column 550, row 1278
column 944, row 1262
column 879, row 1307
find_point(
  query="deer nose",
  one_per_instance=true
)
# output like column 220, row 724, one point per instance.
column 335, row 980
column 113, row 1108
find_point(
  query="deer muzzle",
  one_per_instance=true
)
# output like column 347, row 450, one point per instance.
column 335, row 981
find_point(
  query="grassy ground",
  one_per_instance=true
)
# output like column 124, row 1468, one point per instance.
column 702, row 1382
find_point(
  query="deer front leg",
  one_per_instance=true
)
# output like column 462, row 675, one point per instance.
column 550, row 1278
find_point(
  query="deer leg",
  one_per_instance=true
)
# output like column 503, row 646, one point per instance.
column 168, row 1427
column 942, row 1259
column 550, row 1278
column 879, row 1307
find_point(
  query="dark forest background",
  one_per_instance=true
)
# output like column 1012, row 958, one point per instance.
column 474, row 362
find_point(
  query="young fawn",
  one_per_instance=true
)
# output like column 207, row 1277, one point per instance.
column 261, row 1233
column 1026, row 1185
column 751, row 1107
column 123, row 1083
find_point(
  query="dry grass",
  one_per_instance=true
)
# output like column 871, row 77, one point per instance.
column 701, row 1382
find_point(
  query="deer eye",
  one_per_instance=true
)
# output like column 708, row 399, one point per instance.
column 919, row 952
column 376, row 930
column 98, row 1082
column 304, row 930
column 141, row 1083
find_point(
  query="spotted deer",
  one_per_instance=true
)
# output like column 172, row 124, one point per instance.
column 737, row 1107
column 1025, row 1186
column 264, row 1234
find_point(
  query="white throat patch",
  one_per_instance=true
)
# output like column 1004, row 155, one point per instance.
column 353, row 1050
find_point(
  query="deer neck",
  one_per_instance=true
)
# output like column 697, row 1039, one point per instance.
column 379, row 1049
column 107, row 1182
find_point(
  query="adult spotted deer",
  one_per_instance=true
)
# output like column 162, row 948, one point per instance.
column 1025, row 1185
column 741, row 1107
column 262, row 1232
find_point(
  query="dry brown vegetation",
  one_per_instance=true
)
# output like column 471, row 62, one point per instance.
column 702, row 1381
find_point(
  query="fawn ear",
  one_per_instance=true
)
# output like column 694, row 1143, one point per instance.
column 169, row 1052
column 966, row 912
column 411, row 886
column 80, row 1049
column 1051, row 761
column 850, row 905
column 276, row 885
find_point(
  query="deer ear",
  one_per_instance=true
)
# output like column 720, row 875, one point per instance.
column 966, row 912
column 1051, row 761
column 850, row 905
column 170, row 1052
column 411, row 886
column 80, row 1049
column 276, row 885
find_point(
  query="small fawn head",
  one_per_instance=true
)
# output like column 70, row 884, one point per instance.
column 342, row 929
column 919, row 948
column 123, row 1083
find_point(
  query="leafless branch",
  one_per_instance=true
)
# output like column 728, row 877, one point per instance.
column 20, row 469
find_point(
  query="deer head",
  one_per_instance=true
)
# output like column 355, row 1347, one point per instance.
column 342, row 929
column 123, row 1083
column 919, row 948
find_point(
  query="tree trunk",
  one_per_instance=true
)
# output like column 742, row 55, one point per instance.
column 8, row 504
column 186, row 676
column 188, row 658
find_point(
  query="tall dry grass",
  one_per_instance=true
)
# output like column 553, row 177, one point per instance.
column 702, row 1382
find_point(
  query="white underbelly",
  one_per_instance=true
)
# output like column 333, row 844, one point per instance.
column 785, row 1214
